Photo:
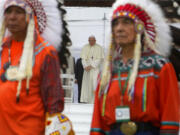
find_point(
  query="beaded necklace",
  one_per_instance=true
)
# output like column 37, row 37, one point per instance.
column 123, row 89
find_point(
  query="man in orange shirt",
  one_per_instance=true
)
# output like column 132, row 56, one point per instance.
column 138, row 92
column 30, row 88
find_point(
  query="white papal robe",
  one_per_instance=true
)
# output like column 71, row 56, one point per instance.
column 91, row 56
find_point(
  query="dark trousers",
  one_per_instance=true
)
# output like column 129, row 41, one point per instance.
column 79, row 90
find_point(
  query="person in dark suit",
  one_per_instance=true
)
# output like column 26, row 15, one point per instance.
column 78, row 75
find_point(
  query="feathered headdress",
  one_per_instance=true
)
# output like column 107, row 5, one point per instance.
column 153, row 26
column 63, row 51
column 44, row 18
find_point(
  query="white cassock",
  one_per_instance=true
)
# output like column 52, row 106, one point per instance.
column 91, row 56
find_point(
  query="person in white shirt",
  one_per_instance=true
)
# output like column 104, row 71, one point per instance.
column 92, row 56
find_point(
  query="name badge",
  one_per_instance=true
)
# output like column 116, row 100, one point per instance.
column 122, row 113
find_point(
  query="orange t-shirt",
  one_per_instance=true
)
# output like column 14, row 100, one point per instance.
column 28, row 116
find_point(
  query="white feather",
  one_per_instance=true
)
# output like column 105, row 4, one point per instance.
column 53, row 31
column 163, row 38
column 1, row 9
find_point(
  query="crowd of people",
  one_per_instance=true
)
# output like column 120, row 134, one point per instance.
column 134, row 88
